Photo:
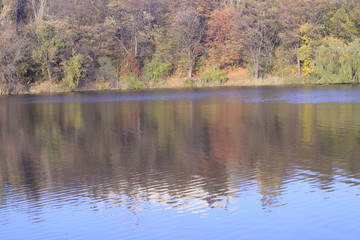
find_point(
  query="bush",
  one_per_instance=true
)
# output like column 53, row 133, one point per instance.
column 156, row 69
column 73, row 71
column 106, row 71
column 190, row 82
column 132, row 81
column 129, row 72
column 213, row 75
column 129, row 65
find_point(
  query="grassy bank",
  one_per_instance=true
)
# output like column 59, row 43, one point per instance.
column 233, row 79
column 237, row 77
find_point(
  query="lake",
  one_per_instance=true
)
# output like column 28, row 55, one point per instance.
column 220, row 163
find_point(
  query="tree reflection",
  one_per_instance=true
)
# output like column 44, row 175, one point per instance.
column 174, row 153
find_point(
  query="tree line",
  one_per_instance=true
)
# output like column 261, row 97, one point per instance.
column 138, row 43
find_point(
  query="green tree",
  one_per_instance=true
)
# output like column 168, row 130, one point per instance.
column 350, row 61
column 157, row 68
column 46, row 52
column 73, row 70
column 338, row 62
column 341, row 26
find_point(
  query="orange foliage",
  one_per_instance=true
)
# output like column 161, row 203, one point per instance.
column 129, row 65
column 220, row 38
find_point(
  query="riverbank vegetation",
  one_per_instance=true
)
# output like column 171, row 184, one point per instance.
column 73, row 44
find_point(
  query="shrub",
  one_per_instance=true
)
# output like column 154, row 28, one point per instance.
column 73, row 70
column 156, row 69
column 106, row 71
column 190, row 82
column 213, row 75
column 129, row 65
column 129, row 72
column 132, row 81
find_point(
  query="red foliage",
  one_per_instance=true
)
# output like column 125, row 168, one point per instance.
column 220, row 38
column 129, row 65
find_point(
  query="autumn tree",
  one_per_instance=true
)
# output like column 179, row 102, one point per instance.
column 256, row 30
column 290, row 16
column 223, row 47
column 13, row 52
column 136, row 22
column 188, row 31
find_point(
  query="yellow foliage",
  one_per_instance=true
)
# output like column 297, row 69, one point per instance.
column 306, row 49
column 327, row 40
column 305, row 52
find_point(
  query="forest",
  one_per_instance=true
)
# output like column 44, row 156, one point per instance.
column 127, row 44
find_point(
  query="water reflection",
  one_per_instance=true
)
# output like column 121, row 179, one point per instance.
column 187, row 154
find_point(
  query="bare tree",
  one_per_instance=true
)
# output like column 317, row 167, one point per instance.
column 135, row 19
column 39, row 7
column 188, row 30
column 256, row 29
column 12, row 53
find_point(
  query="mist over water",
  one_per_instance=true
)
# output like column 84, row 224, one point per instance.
column 257, row 163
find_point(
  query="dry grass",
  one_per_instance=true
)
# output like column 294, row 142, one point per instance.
column 46, row 87
column 242, row 77
column 237, row 77
column 251, row 81
column 174, row 82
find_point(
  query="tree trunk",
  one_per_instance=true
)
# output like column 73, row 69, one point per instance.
column 48, row 69
column 135, row 44
column 190, row 65
column 298, row 62
column 257, row 71
column 256, row 67
column 256, row 59
column 190, row 71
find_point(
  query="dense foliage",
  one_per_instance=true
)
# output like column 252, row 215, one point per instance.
column 138, row 43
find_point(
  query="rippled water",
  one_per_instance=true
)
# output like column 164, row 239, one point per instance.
column 227, row 163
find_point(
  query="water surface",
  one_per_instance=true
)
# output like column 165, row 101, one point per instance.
column 227, row 163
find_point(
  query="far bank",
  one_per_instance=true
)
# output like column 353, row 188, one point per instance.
column 238, row 77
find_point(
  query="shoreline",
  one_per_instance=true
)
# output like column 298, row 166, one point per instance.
column 168, row 84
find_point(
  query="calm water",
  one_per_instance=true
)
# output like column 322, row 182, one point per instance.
column 229, row 163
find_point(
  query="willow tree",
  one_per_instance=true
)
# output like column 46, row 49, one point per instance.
column 337, row 62
column 350, row 61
